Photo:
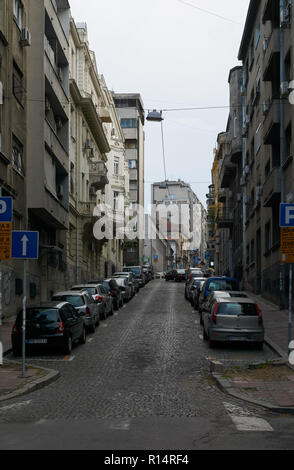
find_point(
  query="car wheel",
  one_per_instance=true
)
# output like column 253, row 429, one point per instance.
column 68, row 345
column 83, row 336
column 205, row 337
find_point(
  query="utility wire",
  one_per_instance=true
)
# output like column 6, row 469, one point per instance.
column 209, row 12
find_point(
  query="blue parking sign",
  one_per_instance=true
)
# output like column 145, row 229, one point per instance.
column 25, row 245
column 287, row 216
column 6, row 209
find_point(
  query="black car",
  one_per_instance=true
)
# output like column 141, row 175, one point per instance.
column 114, row 290
column 180, row 275
column 55, row 324
column 170, row 275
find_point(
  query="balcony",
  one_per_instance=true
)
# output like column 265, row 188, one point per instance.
column 271, row 55
column 98, row 175
column 236, row 149
column 272, row 188
column 228, row 171
column 271, row 124
column 222, row 195
column 225, row 217
column 86, row 209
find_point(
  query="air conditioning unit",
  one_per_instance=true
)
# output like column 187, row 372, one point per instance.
column 284, row 89
column 47, row 104
column 266, row 106
column 25, row 37
column 60, row 191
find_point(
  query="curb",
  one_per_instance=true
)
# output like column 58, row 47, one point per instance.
column 225, row 385
column 50, row 377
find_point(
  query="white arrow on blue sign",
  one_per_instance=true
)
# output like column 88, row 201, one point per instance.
column 25, row 245
column 6, row 209
column 287, row 216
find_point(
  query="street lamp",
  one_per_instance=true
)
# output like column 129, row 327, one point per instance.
column 154, row 116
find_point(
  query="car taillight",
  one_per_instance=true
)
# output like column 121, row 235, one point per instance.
column 15, row 330
column 215, row 314
column 88, row 313
column 61, row 327
column 260, row 319
column 112, row 292
column 98, row 298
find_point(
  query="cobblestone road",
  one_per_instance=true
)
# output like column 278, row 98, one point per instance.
column 148, row 360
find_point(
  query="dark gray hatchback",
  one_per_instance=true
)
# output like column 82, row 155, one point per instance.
column 55, row 324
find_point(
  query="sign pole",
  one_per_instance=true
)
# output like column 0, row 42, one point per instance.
column 24, row 318
column 290, row 304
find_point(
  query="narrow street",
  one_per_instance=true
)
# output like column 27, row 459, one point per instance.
column 141, row 381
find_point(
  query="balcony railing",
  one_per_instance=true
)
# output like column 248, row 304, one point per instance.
column 98, row 175
column 272, row 188
column 225, row 217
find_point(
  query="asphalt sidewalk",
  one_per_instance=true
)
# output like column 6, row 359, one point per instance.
column 270, row 385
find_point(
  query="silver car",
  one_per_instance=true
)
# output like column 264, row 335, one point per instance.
column 84, row 304
column 233, row 319
column 94, row 291
column 124, row 287
column 129, row 277
column 219, row 294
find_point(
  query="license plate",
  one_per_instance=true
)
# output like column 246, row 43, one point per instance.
column 236, row 338
column 36, row 341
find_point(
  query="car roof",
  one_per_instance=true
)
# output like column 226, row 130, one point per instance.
column 86, row 285
column 239, row 300
column 70, row 292
column 49, row 304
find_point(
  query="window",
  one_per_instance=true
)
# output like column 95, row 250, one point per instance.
column 129, row 123
column 17, row 84
column 18, row 12
column 268, row 241
column 115, row 200
column 133, row 185
column 17, row 155
column 235, row 123
column 116, row 167
column 132, row 164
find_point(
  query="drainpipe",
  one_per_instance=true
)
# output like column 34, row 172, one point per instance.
column 282, row 146
column 243, row 188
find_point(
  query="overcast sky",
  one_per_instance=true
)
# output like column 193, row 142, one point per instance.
column 176, row 56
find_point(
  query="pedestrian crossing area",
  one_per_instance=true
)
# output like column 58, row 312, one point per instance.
column 245, row 421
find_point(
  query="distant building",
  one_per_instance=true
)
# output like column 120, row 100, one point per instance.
column 131, row 112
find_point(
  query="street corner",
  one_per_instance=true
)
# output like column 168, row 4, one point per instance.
column 269, row 385
column 13, row 384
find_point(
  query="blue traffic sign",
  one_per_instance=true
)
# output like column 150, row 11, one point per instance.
column 287, row 216
column 25, row 245
column 6, row 209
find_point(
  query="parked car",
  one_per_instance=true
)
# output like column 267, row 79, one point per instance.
column 190, row 286
column 196, row 293
column 194, row 274
column 54, row 324
column 170, row 275
column 150, row 269
column 130, row 279
column 84, row 305
column 233, row 320
column 94, row 291
column 181, row 275
column 125, row 288
column 217, row 283
column 213, row 296
column 138, row 271
column 115, row 292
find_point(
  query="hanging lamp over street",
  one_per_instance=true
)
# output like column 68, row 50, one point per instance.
column 155, row 116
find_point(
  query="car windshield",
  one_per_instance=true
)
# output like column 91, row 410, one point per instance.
column 90, row 290
column 75, row 300
column 238, row 309
column 181, row 271
column 135, row 270
column 39, row 315
column 222, row 284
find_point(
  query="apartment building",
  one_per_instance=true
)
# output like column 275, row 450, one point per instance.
column 15, row 43
column 131, row 112
column 117, row 194
column 268, row 128
column 229, row 214
column 257, row 174
column 185, row 217
column 47, row 170
column 89, row 148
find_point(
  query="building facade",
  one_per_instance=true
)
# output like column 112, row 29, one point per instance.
column 131, row 113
